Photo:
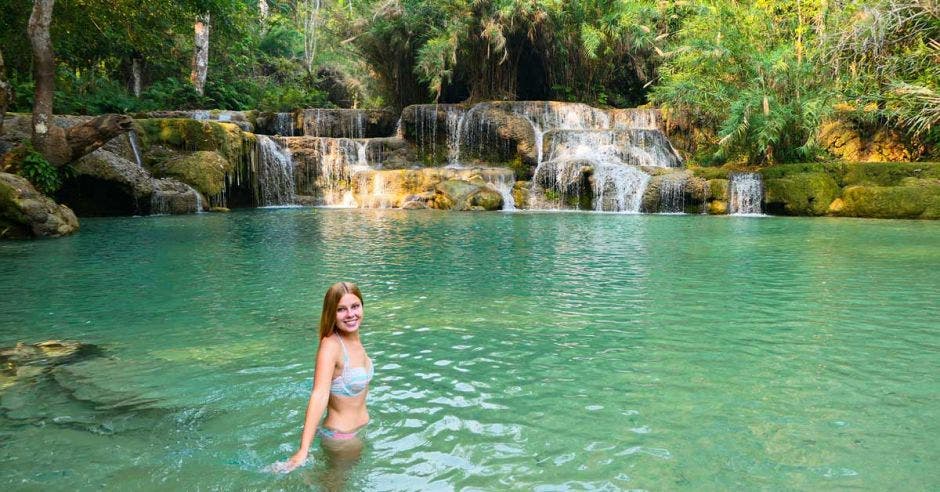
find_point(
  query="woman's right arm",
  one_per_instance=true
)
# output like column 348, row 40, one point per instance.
column 319, row 397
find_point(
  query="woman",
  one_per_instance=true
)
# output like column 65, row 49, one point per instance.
column 340, row 380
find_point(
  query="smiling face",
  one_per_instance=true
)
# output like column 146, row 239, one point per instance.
column 349, row 313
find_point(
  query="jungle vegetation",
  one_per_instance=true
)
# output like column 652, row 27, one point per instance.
column 751, row 79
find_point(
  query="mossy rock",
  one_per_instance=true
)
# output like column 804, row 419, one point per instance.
column 800, row 194
column 718, row 207
column 888, row 173
column 485, row 199
column 196, row 135
column 718, row 189
column 203, row 170
column 26, row 213
column 456, row 194
column 917, row 200
column 710, row 172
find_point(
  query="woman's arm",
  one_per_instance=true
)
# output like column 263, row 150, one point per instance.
column 319, row 397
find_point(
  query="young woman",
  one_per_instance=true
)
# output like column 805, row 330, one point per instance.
column 340, row 381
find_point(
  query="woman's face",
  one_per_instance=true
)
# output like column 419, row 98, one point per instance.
column 349, row 313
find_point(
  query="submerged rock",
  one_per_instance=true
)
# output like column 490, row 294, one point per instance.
column 26, row 213
column 43, row 354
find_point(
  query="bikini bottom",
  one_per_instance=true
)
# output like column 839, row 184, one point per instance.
column 335, row 435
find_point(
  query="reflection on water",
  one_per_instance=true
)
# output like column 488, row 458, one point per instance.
column 518, row 350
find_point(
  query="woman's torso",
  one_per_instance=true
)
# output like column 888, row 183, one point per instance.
column 348, row 390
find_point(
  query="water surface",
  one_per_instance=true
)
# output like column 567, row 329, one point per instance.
column 513, row 351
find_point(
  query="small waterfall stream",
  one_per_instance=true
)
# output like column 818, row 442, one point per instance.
column 672, row 194
column 745, row 194
column 135, row 147
column 275, row 178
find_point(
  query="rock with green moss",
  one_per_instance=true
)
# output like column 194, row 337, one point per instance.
column 193, row 135
column 800, row 194
column 717, row 189
column 204, row 170
column 26, row 213
column 456, row 194
column 888, row 173
column 916, row 199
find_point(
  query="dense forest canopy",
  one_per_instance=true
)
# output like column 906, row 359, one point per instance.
column 753, row 79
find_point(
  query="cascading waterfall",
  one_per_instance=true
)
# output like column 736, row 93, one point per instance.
column 575, row 139
column 745, row 194
column 672, row 194
column 502, row 184
column 284, row 124
column 618, row 188
column 275, row 174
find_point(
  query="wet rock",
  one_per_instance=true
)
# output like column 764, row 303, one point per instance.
column 23, row 358
column 171, row 197
column 347, row 123
column 800, row 194
column 26, row 213
column 203, row 170
column 106, row 184
column 915, row 199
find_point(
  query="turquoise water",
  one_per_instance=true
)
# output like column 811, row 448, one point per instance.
column 528, row 351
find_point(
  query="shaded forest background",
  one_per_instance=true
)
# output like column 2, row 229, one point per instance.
column 752, row 80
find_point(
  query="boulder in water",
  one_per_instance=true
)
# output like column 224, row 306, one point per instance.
column 204, row 170
column 800, row 194
column 26, row 213
column 456, row 194
column 913, row 199
column 107, row 184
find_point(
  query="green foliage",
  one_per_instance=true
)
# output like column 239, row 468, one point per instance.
column 43, row 175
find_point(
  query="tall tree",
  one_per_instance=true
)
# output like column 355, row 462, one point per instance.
column 5, row 92
column 57, row 145
column 48, row 138
column 201, row 54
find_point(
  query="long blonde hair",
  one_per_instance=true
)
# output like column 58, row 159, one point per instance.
column 331, row 301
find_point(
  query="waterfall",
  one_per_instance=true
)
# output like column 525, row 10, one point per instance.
column 745, row 193
column 135, row 147
column 284, row 124
column 618, row 188
column 672, row 194
column 502, row 183
column 373, row 190
column 275, row 185
column 455, row 116
column 201, row 115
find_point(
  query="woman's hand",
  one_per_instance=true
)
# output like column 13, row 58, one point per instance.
column 295, row 461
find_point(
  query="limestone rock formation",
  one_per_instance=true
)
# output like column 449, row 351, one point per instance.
column 26, row 213
column 846, row 141
column 800, row 194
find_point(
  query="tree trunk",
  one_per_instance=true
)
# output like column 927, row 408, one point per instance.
column 135, row 73
column 48, row 138
column 264, row 11
column 57, row 145
column 201, row 55
column 86, row 138
column 6, row 93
